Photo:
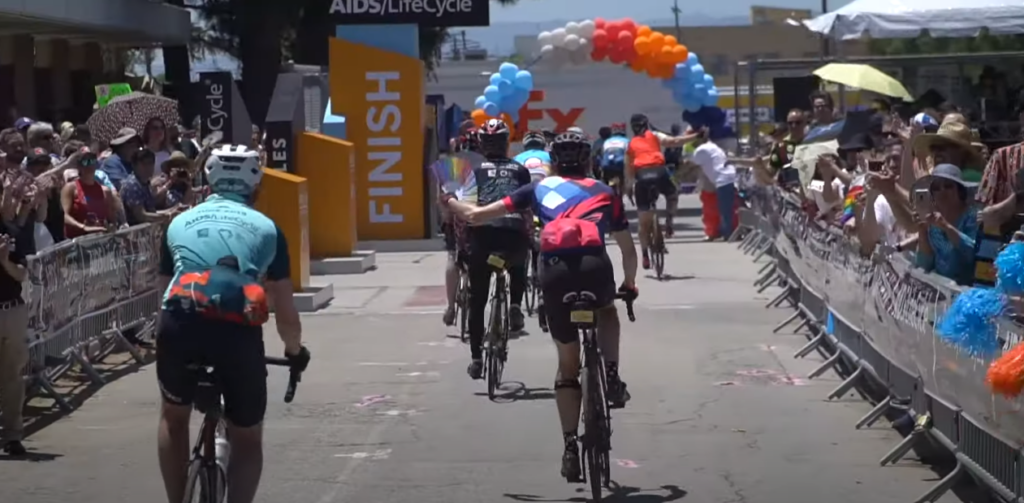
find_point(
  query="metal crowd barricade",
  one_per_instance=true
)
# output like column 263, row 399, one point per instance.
column 82, row 296
column 874, row 320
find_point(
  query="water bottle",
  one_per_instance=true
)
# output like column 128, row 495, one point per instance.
column 222, row 450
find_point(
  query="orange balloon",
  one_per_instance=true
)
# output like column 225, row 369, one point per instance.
column 657, row 40
column 637, row 65
column 642, row 45
column 479, row 117
column 680, row 53
column 671, row 40
column 666, row 54
column 667, row 71
column 643, row 31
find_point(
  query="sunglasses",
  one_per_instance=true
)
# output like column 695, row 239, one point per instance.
column 795, row 123
column 88, row 161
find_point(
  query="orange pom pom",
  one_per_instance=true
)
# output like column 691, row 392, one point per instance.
column 1006, row 373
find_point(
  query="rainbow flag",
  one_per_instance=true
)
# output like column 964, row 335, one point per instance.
column 851, row 198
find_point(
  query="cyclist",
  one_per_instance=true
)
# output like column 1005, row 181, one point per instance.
column 508, row 236
column 465, row 142
column 576, row 212
column 646, row 174
column 535, row 155
column 212, row 261
column 602, row 134
column 612, row 156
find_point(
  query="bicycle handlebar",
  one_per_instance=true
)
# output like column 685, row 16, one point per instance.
column 294, row 376
column 628, row 296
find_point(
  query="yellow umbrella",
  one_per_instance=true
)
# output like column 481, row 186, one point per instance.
column 864, row 77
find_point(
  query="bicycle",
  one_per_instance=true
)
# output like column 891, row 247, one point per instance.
column 462, row 303
column 533, row 277
column 498, row 327
column 657, row 239
column 597, row 428
column 207, row 470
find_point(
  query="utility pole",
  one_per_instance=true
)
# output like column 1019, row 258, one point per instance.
column 824, row 37
column 676, row 11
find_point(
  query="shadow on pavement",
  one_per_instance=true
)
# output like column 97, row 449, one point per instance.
column 663, row 494
column 515, row 391
column 32, row 457
column 670, row 277
column 76, row 388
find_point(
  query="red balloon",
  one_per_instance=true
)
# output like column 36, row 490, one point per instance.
column 613, row 28
column 599, row 23
column 629, row 53
column 625, row 39
column 598, row 54
column 616, row 58
column 628, row 25
column 600, row 38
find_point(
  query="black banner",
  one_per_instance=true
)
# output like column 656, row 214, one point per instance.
column 421, row 12
column 280, row 145
column 215, row 104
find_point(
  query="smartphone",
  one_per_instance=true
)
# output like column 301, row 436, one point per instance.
column 875, row 166
column 922, row 201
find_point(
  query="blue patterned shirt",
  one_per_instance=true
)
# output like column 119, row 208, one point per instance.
column 953, row 262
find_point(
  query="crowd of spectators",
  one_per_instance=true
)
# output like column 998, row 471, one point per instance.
column 919, row 182
column 60, row 185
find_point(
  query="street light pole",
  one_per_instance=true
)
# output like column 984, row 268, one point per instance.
column 676, row 11
column 824, row 37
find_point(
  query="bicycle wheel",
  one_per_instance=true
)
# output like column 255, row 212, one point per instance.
column 462, row 301
column 595, row 443
column 495, row 364
column 197, row 485
column 531, row 292
column 658, row 250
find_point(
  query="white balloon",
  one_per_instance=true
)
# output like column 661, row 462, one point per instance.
column 587, row 29
column 584, row 45
column 579, row 57
column 572, row 28
column 557, row 37
column 544, row 38
column 572, row 42
column 547, row 50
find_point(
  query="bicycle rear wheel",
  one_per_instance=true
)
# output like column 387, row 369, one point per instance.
column 531, row 292
column 462, row 301
column 498, row 334
column 658, row 250
column 595, row 441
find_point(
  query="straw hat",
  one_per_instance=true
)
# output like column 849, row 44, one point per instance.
column 177, row 159
column 949, row 133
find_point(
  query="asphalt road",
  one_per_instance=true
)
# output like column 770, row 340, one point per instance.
column 721, row 413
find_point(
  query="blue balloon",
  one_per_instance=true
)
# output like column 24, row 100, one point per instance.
column 491, row 109
column 519, row 97
column 508, row 71
column 709, row 80
column 479, row 103
column 692, row 59
column 699, row 90
column 514, row 114
column 505, row 88
column 492, row 94
column 711, row 100
column 495, row 78
column 692, row 106
column 696, row 74
column 682, row 71
column 524, row 80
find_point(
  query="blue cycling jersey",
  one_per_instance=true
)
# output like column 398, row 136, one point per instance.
column 223, row 230
column 613, row 153
column 537, row 161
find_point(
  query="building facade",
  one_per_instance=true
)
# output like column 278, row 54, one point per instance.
column 51, row 52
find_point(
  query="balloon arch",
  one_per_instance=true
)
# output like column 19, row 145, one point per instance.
column 621, row 42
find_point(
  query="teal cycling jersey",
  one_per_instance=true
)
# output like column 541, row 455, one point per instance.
column 537, row 161
column 222, row 231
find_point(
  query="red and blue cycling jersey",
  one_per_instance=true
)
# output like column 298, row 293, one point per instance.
column 576, row 213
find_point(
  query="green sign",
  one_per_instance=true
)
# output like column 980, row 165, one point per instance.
column 107, row 92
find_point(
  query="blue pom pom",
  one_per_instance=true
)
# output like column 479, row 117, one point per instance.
column 1010, row 269
column 969, row 324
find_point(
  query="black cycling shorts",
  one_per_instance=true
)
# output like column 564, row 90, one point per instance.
column 564, row 274
column 650, row 183
column 607, row 175
column 236, row 353
column 448, row 228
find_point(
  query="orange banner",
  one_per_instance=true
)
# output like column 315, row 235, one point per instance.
column 380, row 93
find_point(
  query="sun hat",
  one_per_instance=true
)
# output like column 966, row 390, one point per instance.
column 124, row 135
column 177, row 159
column 949, row 133
column 947, row 172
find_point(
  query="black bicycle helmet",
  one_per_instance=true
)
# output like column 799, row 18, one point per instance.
column 570, row 153
column 639, row 123
column 494, row 138
column 534, row 140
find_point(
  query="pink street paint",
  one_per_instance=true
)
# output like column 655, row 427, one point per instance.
column 372, row 399
column 626, row 463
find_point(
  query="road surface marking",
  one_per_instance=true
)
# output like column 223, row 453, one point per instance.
column 626, row 463
column 372, row 399
column 379, row 454
column 419, row 374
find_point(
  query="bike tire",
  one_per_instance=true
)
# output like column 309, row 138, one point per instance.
column 592, row 434
column 658, row 251
column 462, row 301
column 197, row 483
column 493, row 362
column 531, row 295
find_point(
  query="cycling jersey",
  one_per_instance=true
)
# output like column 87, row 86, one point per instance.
column 217, row 254
column 496, row 179
column 537, row 161
column 645, row 150
column 613, row 153
column 576, row 212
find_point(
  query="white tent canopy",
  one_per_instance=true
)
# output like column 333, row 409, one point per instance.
column 908, row 18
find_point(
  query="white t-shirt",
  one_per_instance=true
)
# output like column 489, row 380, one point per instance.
column 161, row 156
column 715, row 164
column 887, row 220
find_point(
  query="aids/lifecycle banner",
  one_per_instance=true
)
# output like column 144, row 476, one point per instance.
column 380, row 93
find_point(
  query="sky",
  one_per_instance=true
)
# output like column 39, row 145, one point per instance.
column 527, row 11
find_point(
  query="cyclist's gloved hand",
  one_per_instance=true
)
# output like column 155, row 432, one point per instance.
column 300, row 360
column 630, row 289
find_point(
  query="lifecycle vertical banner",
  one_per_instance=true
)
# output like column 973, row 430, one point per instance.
column 381, row 95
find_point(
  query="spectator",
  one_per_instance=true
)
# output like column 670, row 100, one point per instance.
column 721, row 173
column 178, row 175
column 950, row 144
column 88, row 206
column 946, row 234
column 822, row 109
column 156, row 140
column 13, row 334
column 137, row 195
column 999, row 180
column 781, row 153
column 118, row 166
column 38, row 164
column 82, row 134
column 22, row 125
column 40, row 135
column 881, row 105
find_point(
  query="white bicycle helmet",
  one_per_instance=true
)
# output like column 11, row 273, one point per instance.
column 234, row 169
